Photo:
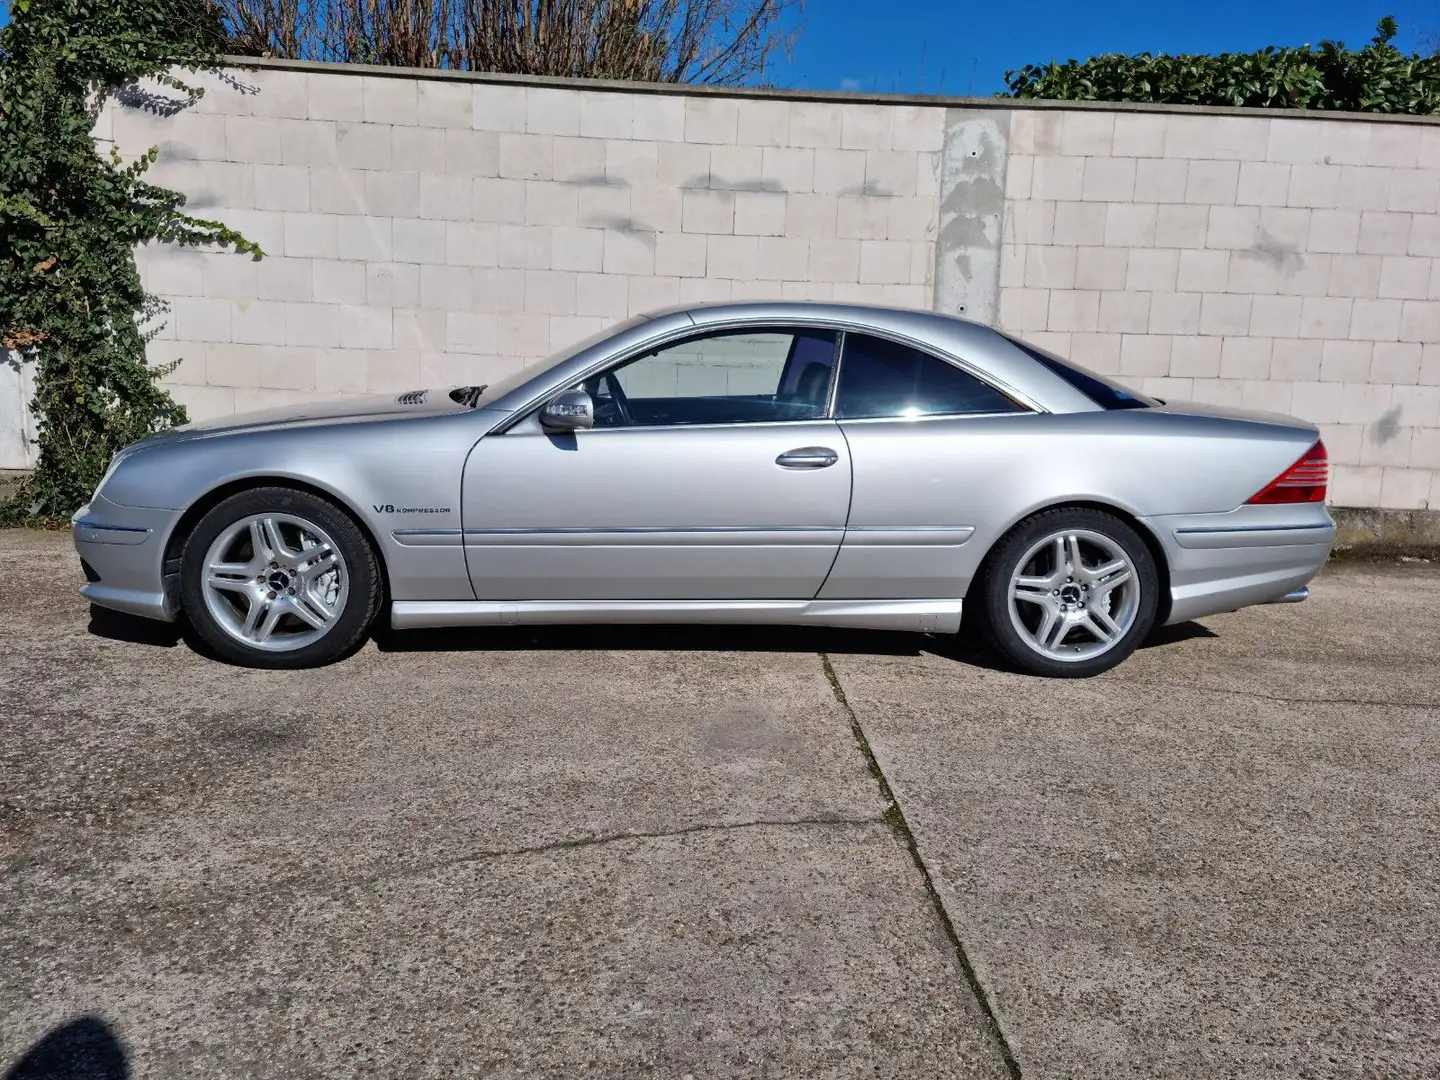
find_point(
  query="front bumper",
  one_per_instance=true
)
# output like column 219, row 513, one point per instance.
column 123, row 550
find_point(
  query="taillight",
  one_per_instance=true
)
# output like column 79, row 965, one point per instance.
column 1303, row 482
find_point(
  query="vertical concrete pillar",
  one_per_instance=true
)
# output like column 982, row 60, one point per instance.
column 972, row 207
column 17, row 425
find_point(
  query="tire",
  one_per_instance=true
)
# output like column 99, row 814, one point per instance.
column 1062, row 624
column 281, row 600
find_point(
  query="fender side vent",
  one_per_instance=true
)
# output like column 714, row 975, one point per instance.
column 413, row 397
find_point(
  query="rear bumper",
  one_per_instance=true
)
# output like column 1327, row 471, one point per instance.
column 123, row 548
column 1252, row 555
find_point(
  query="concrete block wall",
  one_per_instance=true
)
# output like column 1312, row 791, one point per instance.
column 1273, row 263
column 425, row 229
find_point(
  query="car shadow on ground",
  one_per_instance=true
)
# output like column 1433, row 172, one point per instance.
column 82, row 1049
column 965, row 647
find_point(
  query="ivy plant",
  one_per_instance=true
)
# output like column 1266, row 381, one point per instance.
column 1376, row 78
column 70, row 217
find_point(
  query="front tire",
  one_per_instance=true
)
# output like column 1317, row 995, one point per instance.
column 279, row 578
column 1068, row 593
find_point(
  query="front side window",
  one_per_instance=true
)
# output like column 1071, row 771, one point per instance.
column 729, row 377
column 881, row 378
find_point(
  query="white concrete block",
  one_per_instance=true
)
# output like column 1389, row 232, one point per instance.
column 1405, row 278
column 811, row 216
column 1354, row 275
column 548, row 203
column 308, row 142
column 1073, row 310
column 838, row 172
column 526, row 157
column 1276, row 316
column 867, row 127
column 231, row 365
column 1139, row 135
column 1058, row 178
column 1245, row 358
column 1255, row 271
column 342, row 191
column 1405, row 489
column 762, row 123
column 365, row 328
column 1108, row 180
column 1144, row 354
column 281, row 93
column 1413, row 191
column 1425, row 454
column 1425, row 235
column 733, row 257
column 834, row 260
column 279, row 278
column 1153, row 270
column 1180, row 226
column 1082, row 223
column 759, row 213
column 444, row 288
column 633, row 163
column 334, row 97
column 604, row 207
column 884, row 262
column 601, row 294
column 1336, row 231
column 1125, row 225
column 1318, row 402
column 792, row 169
column 253, row 140
column 889, row 173
column 1235, row 227
column 419, row 150
column 500, row 202
column 1024, row 311
column 657, row 209
column 418, row 241
column 497, row 107
column 606, row 116
column 1325, row 317
column 1238, row 138
column 391, row 194
column 660, row 118
column 680, row 254
column 1034, row 132
column 310, row 236
column 257, row 322
column 550, row 292
column 1050, row 267
column 336, row 282
column 1419, row 405
column 1224, row 314
column 418, row 330
column 628, row 253
column 1298, row 141
column 1095, row 267
column 579, row 249
column 1204, row 271
column 708, row 212
column 550, row 111
column 1264, row 395
column 1195, row 357
column 1384, row 233
column 1395, row 145
column 443, row 104
column 363, row 146
column 1263, row 183
column 577, row 161
column 1098, row 352
column 1173, row 313
column 314, row 325
column 1361, row 403
column 499, row 290
column 1420, row 321
column 389, row 101
column 736, row 168
column 1087, row 134
column 783, row 258
column 1161, row 181
column 470, row 331
column 862, row 217
column 815, row 124
column 471, row 153
column 523, row 247
column 1363, row 188
column 1124, row 313
column 919, row 127
column 1212, row 182
column 911, row 219
column 651, row 293
column 392, row 285
column 1395, row 362
column 364, row 238
column 1019, row 170
column 1355, row 485
column 711, row 120
column 1314, row 186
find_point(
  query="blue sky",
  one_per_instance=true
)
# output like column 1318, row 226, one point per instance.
column 952, row 47
column 956, row 47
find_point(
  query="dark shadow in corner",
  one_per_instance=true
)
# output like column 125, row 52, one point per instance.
column 1173, row 635
column 81, row 1049
column 118, row 626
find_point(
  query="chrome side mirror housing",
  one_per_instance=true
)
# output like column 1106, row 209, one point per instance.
column 569, row 411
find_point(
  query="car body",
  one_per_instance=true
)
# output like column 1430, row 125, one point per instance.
column 769, row 506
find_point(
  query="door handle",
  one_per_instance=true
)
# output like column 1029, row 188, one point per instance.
column 808, row 457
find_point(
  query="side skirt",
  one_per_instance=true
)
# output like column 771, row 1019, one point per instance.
column 924, row 616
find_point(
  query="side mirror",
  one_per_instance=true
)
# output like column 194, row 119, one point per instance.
column 569, row 411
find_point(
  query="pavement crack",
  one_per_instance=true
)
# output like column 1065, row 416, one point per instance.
column 895, row 818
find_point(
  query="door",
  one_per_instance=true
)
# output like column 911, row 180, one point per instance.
column 712, row 473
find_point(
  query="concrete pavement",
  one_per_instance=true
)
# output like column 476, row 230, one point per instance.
column 663, row 852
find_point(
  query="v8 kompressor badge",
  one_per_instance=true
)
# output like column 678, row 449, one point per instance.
column 390, row 508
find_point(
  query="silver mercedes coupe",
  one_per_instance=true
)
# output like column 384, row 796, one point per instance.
column 776, row 463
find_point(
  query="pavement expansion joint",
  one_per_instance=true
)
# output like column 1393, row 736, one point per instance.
column 895, row 818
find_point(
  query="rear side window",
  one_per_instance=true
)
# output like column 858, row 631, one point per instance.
column 883, row 378
column 1103, row 392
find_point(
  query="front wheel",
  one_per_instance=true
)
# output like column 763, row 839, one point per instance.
column 279, row 578
column 1068, row 593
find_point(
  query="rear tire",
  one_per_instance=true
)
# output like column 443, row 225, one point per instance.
column 275, row 577
column 1067, row 593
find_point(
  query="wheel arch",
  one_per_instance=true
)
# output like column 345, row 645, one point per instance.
column 175, row 543
column 1144, row 531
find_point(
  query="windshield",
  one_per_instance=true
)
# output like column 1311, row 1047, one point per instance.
column 1100, row 390
column 493, row 391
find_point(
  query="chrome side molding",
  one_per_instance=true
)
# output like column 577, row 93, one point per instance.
column 924, row 616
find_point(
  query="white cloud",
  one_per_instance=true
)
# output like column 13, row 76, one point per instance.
column 849, row 84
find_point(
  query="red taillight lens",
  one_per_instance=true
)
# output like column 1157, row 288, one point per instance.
column 1303, row 482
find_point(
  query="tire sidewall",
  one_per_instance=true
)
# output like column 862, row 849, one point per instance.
column 361, row 606
column 995, row 598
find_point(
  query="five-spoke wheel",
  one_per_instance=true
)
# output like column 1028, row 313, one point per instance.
column 275, row 577
column 1068, row 592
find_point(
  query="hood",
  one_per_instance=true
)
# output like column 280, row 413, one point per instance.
column 338, row 410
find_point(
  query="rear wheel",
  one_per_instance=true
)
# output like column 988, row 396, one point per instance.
column 1068, row 593
column 279, row 578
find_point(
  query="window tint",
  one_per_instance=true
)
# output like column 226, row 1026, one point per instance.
column 1106, row 394
column 883, row 378
column 731, row 377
